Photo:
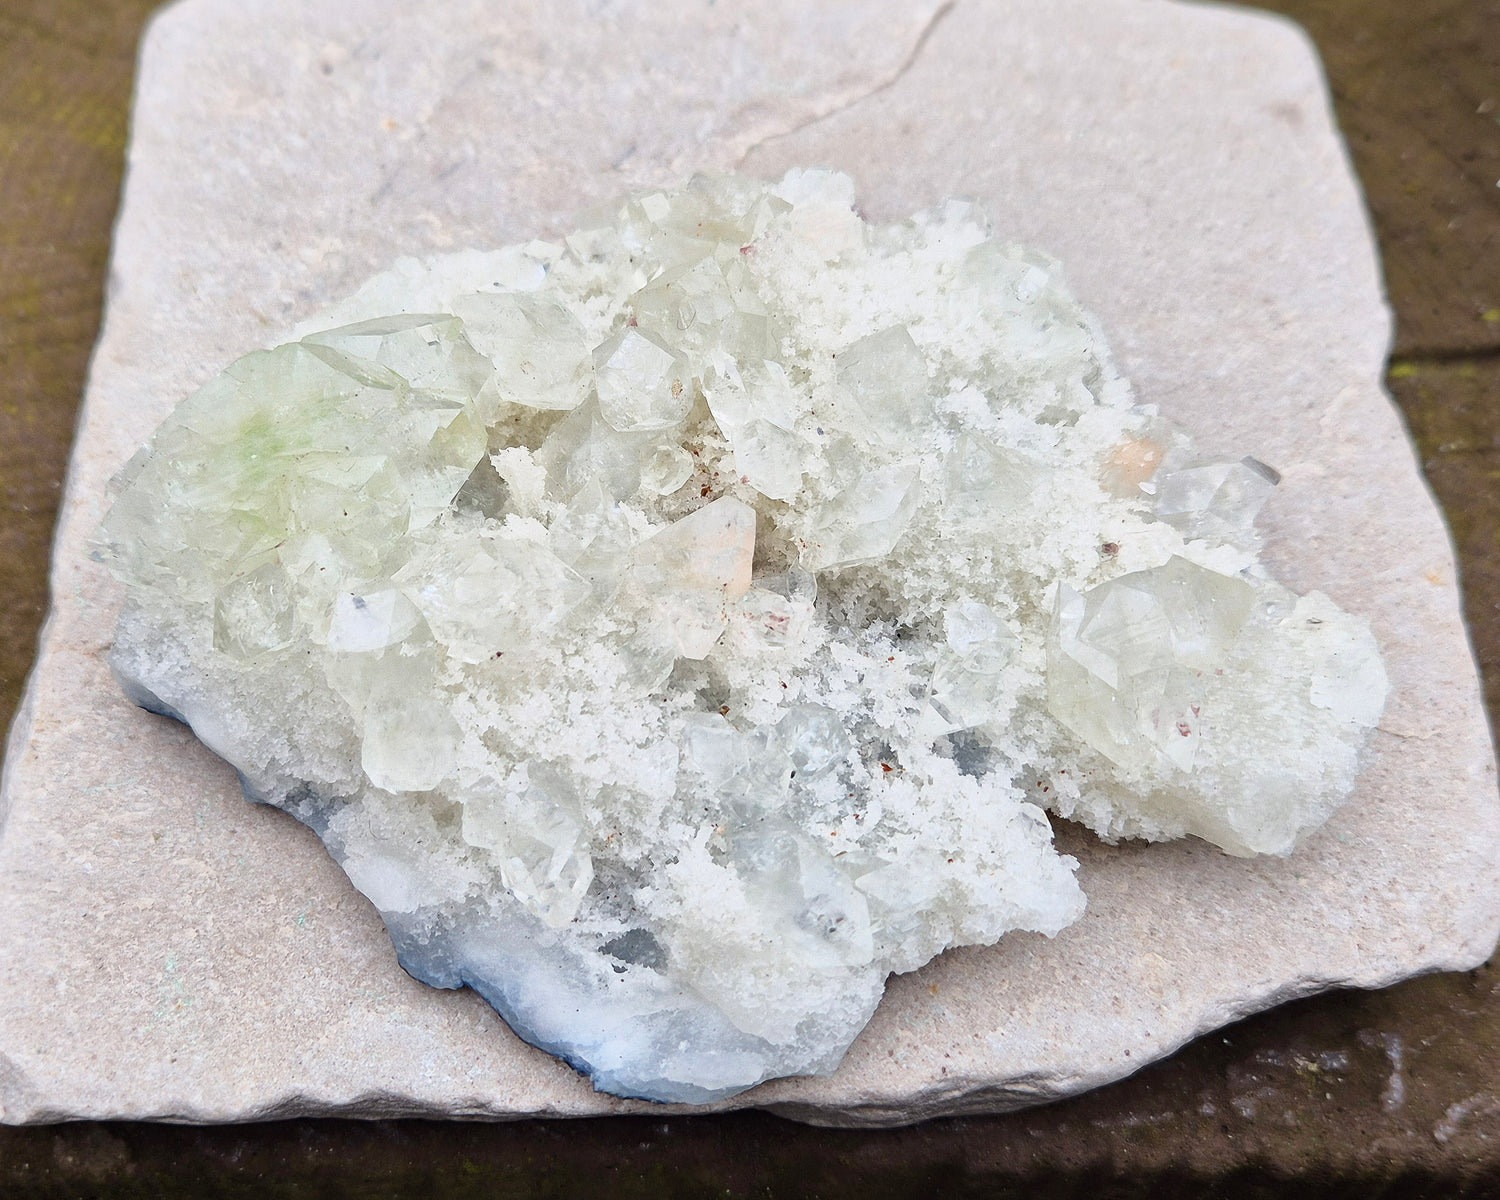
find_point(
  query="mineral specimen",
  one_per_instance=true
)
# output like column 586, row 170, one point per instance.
column 676, row 630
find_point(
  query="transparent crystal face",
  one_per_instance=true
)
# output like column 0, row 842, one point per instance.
column 676, row 648
column 1129, row 660
column 537, row 350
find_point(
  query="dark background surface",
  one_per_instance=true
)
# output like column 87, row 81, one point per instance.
column 1393, row 1093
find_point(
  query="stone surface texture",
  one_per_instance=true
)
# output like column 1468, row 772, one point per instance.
column 1182, row 164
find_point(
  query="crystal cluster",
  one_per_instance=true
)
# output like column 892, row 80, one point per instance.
column 677, row 629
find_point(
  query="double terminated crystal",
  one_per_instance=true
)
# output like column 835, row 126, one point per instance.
column 674, row 638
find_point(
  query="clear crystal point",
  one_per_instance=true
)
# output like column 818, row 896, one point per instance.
column 1218, row 499
column 694, row 569
column 534, row 829
column 642, row 385
column 540, row 354
column 254, row 614
column 968, row 680
column 1130, row 660
column 865, row 520
column 886, row 374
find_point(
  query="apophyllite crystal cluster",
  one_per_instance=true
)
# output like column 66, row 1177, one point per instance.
column 676, row 630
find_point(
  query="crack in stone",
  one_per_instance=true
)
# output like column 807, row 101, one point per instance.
column 1420, row 737
column 886, row 84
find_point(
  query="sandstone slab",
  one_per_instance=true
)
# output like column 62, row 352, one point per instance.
column 170, row 952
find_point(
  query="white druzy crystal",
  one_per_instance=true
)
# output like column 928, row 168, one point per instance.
column 677, row 630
